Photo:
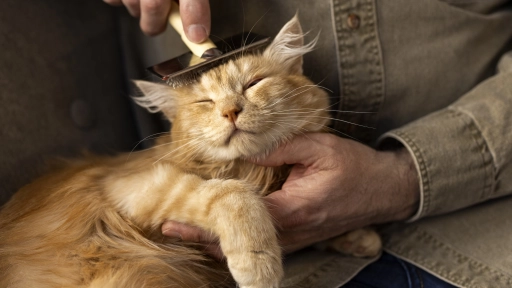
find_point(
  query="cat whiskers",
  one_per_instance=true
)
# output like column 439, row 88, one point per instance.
column 190, row 153
column 331, row 118
column 286, row 97
column 310, row 110
column 193, row 136
column 253, row 26
column 297, row 129
column 332, row 129
column 275, row 142
column 152, row 136
column 301, row 130
column 193, row 142
column 199, row 146
column 172, row 142
column 157, row 135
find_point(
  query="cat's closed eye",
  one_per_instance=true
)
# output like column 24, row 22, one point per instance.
column 204, row 101
column 253, row 82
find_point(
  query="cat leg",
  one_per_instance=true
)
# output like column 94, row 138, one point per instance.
column 363, row 242
column 228, row 208
column 247, row 235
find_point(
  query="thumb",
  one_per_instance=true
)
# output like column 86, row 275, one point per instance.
column 300, row 150
column 277, row 204
column 196, row 18
column 186, row 232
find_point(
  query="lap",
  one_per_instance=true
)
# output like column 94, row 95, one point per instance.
column 392, row 272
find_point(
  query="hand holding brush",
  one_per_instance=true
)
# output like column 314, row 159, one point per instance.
column 154, row 15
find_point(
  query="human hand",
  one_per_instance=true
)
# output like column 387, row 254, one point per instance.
column 153, row 14
column 336, row 185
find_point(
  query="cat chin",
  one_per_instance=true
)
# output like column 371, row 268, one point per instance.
column 229, row 153
column 224, row 153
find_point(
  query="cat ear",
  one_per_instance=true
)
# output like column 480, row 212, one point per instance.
column 156, row 97
column 288, row 46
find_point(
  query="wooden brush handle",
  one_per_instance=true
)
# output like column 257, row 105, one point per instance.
column 177, row 24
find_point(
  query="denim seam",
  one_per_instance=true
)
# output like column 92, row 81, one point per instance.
column 479, row 143
column 325, row 270
column 378, row 52
column 394, row 135
column 485, row 154
column 407, row 272
column 322, row 270
column 466, row 264
column 327, row 274
column 424, row 172
column 418, row 274
column 359, row 50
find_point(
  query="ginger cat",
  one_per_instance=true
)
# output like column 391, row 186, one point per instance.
column 96, row 222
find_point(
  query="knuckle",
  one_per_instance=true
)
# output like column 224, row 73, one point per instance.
column 193, row 234
column 131, row 2
column 152, row 6
column 112, row 2
column 291, row 223
column 203, row 237
column 328, row 140
column 193, row 237
column 151, row 30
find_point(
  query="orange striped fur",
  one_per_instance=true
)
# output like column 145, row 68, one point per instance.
column 96, row 222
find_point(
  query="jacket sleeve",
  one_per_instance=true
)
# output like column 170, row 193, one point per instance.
column 463, row 153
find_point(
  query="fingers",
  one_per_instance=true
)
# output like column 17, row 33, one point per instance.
column 189, row 233
column 153, row 16
column 133, row 7
column 300, row 150
column 195, row 15
column 113, row 2
column 289, row 211
column 214, row 251
column 153, row 13
column 297, row 225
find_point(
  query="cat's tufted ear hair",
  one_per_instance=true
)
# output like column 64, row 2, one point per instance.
column 288, row 46
column 156, row 97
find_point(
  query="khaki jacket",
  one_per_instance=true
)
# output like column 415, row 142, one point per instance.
column 440, row 79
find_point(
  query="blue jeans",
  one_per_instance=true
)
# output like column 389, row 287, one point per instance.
column 392, row 272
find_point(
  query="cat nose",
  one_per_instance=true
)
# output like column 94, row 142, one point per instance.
column 231, row 113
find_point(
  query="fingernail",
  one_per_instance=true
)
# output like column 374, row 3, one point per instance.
column 172, row 234
column 196, row 33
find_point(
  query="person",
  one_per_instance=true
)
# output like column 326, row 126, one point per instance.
column 433, row 157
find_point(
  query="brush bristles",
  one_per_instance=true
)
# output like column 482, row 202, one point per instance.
column 194, row 74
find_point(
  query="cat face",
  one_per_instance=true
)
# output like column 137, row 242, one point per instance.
column 247, row 106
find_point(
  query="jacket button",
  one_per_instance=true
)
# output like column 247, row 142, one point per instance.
column 82, row 114
column 353, row 21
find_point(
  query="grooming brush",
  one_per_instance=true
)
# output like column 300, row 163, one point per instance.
column 202, row 57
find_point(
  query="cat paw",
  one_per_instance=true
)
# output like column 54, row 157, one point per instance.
column 256, row 269
column 359, row 243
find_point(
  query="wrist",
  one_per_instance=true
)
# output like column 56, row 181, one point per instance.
column 409, row 184
column 402, row 191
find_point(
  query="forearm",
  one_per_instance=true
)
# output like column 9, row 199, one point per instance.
column 463, row 151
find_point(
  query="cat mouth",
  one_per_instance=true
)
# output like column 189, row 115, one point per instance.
column 237, row 133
